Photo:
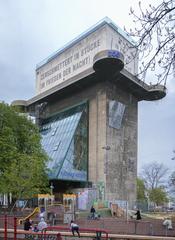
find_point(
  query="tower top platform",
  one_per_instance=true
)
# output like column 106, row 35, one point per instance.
column 102, row 22
column 76, row 64
column 77, row 56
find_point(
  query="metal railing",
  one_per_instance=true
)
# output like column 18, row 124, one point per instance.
column 99, row 232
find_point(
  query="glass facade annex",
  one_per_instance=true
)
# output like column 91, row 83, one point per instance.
column 65, row 138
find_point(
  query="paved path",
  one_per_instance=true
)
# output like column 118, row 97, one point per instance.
column 121, row 226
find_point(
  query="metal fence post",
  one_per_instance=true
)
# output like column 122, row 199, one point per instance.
column 166, row 230
column 151, row 229
column 98, row 235
column 15, row 228
column 5, row 227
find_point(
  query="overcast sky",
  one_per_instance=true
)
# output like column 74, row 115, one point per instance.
column 31, row 30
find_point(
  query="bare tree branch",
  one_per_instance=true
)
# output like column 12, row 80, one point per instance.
column 153, row 175
column 154, row 35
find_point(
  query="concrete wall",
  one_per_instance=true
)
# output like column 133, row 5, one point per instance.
column 122, row 157
column 116, row 168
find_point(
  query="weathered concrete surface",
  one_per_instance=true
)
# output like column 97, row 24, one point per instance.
column 122, row 156
column 115, row 169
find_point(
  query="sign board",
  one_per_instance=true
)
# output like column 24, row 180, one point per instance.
column 116, row 112
column 79, row 57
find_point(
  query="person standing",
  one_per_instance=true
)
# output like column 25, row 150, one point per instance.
column 92, row 212
column 74, row 228
column 138, row 215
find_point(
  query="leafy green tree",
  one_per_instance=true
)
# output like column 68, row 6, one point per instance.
column 158, row 196
column 23, row 170
column 141, row 190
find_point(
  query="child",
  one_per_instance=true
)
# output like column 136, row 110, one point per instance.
column 74, row 228
column 42, row 225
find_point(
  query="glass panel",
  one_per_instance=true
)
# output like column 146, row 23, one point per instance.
column 64, row 138
column 116, row 112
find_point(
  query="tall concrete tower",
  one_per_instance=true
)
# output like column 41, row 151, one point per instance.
column 86, row 105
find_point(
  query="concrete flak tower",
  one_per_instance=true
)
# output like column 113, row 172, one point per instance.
column 86, row 105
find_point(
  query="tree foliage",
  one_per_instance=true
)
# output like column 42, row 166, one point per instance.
column 141, row 190
column 158, row 196
column 154, row 35
column 154, row 175
column 23, row 169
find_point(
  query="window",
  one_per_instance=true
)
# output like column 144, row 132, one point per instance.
column 66, row 144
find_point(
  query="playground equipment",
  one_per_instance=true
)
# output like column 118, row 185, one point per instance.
column 10, row 231
column 53, row 212
column 69, row 202
column 45, row 200
column 35, row 212
column 62, row 212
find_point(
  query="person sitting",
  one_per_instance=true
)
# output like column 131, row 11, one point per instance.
column 74, row 228
column 168, row 223
column 27, row 225
column 42, row 225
